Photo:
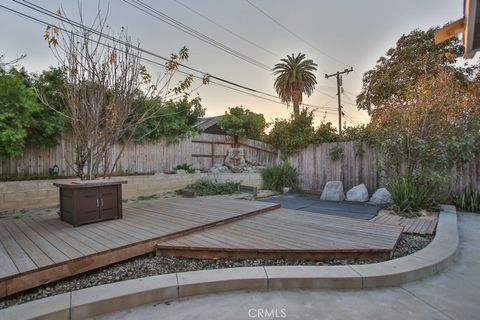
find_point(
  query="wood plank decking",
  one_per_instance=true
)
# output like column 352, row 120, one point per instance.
column 420, row 225
column 35, row 251
column 42, row 249
column 291, row 234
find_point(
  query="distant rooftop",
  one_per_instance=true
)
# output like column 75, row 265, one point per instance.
column 210, row 125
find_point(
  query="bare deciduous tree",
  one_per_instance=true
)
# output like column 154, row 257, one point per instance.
column 102, row 74
column 12, row 63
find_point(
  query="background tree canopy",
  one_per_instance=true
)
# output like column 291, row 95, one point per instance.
column 17, row 105
column 173, row 119
column 425, row 110
column 33, row 112
column 415, row 57
column 289, row 136
column 38, row 124
column 243, row 123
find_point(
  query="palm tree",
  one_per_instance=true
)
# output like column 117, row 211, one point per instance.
column 294, row 78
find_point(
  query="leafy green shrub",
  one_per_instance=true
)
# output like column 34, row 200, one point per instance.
column 469, row 200
column 185, row 166
column 209, row 188
column 277, row 177
column 17, row 104
column 290, row 136
column 411, row 194
column 53, row 172
column 336, row 153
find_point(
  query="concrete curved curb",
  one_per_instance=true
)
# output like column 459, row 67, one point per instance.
column 86, row 303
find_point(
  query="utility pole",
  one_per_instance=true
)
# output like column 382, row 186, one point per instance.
column 338, row 75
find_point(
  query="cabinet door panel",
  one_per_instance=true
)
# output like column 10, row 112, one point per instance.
column 87, row 200
column 109, row 201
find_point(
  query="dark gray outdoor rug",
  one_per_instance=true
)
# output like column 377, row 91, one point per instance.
column 355, row 210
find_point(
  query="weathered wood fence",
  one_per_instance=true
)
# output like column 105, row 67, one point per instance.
column 358, row 164
column 361, row 164
column 139, row 158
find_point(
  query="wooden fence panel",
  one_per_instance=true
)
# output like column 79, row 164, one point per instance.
column 359, row 163
column 137, row 158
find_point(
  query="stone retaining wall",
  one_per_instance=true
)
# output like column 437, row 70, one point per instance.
column 37, row 193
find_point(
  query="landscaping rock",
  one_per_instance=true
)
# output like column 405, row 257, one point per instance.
column 286, row 190
column 181, row 171
column 333, row 191
column 381, row 196
column 219, row 169
column 358, row 193
column 235, row 159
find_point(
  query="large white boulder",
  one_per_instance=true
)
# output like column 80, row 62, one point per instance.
column 358, row 193
column 381, row 196
column 333, row 191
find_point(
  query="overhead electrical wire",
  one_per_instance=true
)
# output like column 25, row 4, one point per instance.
column 79, row 25
column 295, row 34
column 227, row 29
column 238, row 36
column 147, row 9
column 161, row 16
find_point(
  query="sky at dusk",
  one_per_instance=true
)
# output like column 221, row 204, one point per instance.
column 335, row 33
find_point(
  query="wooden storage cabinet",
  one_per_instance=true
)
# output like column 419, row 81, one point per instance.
column 82, row 203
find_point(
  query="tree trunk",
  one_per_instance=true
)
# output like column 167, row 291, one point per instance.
column 296, row 103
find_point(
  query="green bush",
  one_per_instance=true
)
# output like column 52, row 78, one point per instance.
column 469, row 200
column 411, row 194
column 185, row 166
column 210, row 188
column 277, row 177
column 336, row 153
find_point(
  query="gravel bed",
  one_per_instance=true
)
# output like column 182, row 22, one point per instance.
column 150, row 265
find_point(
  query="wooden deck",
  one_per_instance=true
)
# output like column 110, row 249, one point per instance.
column 420, row 225
column 291, row 234
column 42, row 249
column 35, row 251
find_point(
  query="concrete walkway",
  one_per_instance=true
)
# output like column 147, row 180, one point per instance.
column 454, row 294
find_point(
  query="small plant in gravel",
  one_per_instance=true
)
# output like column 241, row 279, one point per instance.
column 210, row 188
column 185, row 166
column 280, row 176
column 469, row 201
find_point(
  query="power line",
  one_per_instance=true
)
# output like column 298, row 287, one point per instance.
column 51, row 14
column 240, row 37
column 157, row 14
column 295, row 35
column 227, row 29
column 79, row 25
column 171, row 21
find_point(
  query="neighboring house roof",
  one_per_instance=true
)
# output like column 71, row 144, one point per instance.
column 210, row 125
column 207, row 122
